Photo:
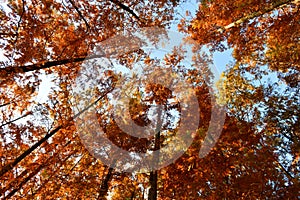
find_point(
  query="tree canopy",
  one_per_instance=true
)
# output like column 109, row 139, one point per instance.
column 45, row 154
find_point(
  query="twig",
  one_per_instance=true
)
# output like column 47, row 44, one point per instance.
column 80, row 14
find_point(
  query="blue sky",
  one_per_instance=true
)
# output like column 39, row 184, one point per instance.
column 221, row 59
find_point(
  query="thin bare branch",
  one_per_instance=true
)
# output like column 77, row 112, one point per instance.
column 127, row 9
column 80, row 14
column 25, row 115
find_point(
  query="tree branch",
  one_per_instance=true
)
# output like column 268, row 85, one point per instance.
column 238, row 22
column 279, row 164
column 18, row 25
column 80, row 14
column 4, row 72
column 10, row 166
column 26, row 114
column 6, row 104
column 127, row 9
column 31, row 175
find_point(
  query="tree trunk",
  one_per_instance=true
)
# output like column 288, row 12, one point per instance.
column 10, row 166
column 153, row 174
column 153, row 186
column 104, row 185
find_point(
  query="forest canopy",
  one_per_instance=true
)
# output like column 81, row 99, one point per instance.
column 234, row 138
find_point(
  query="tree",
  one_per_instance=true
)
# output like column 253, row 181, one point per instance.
column 45, row 158
column 265, row 45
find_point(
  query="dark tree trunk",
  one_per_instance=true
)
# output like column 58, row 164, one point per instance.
column 10, row 166
column 153, row 186
column 104, row 185
column 153, row 174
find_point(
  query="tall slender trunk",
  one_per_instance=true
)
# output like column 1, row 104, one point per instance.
column 153, row 186
column 104, row 185
column 11, row 165
column 20, row 184
column 153, row 174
